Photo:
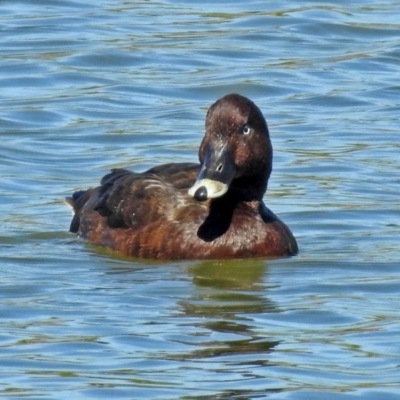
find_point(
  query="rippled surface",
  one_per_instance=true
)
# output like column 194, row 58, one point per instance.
column 87, row 86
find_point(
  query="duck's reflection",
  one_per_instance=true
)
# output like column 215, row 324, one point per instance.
column 228, row 295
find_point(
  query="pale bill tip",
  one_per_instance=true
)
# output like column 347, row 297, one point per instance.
column 214, row 188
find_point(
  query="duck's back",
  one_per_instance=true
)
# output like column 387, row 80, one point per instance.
column 137, row 213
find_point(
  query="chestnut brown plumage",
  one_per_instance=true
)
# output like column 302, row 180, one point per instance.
column 189, row 211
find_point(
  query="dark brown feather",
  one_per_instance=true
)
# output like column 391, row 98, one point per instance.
column 151, row 214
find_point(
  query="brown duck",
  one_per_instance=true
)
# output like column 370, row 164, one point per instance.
column 189, row 211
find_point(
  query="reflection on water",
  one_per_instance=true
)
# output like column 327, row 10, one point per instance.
column 230, row 274
column 95, row 85
column 225, row 293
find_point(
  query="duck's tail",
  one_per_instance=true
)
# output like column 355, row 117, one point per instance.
column 76, row 203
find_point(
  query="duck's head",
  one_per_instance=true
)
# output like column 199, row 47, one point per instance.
column 236, row 151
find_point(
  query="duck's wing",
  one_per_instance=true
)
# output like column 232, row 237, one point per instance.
column 128, row 199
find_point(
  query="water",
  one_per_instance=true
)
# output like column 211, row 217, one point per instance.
column 88, row 86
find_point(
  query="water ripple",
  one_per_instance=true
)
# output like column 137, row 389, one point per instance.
column 92, row 86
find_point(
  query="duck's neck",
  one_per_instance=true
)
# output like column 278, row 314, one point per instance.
column 247, row 189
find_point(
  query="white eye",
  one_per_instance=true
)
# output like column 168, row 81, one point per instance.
column 246, row 130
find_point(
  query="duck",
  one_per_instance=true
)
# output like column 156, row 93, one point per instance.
column 213, row 209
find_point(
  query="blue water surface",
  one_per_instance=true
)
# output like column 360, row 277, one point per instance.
column 89, row 86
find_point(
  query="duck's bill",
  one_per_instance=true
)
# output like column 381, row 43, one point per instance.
column 216, row 174
column 204, row 189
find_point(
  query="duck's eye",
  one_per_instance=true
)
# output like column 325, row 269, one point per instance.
column 246, row 130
